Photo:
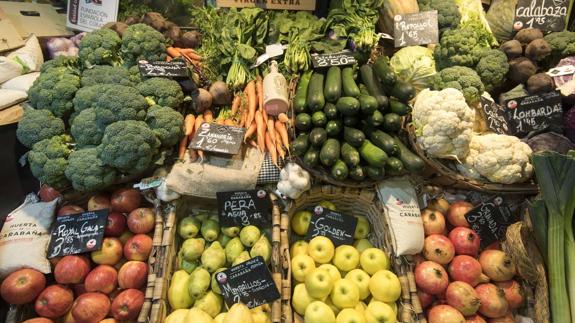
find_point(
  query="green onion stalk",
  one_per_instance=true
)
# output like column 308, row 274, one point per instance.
column 239, row 74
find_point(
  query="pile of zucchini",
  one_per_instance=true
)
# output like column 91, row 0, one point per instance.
column 347, row 120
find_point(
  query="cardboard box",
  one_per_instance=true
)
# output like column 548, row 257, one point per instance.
column 32, row 18
column 9, row 36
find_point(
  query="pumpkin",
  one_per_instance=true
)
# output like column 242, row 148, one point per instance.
column 390, row 9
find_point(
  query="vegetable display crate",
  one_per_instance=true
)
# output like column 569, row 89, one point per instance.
column 167, row 259
column 351, row 201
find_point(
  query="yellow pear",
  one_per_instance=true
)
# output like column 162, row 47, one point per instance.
column 210, row 303
column 261, row 317
column 189, row 227
column 196, row 315
column 177, row 316
column 233, row 249
column 262, row 248
column 193, row 248
column 249, row 235
column 244, row 256
column 199, row 282
column 210, row 229
column 223, row 240
column 214, row 257
column 178, row 295
column 239, row 313
column 220, row 318
column 231, row 231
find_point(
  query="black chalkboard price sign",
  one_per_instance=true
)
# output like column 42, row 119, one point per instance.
column 416, row 29
column 163, row 69
column 339, row 228
column 241, row 208
column 218, row 138
column 249, row 282
column 490, row 220
column 335, row 59
column 547, row 15
column 534, row 113
column 77, row 233
column 495, row 116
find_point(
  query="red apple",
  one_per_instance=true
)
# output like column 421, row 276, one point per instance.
column 133, row 274
column 110, row 254
column 125, row 200
column 99, row 202
column 125, row 236
column 91, row 307
column 102, row 279
column 79, row 289
column 138, row 247
column 48, row 193
column 39, row 320
column 69, row 209
column 116, row 224
column 141, row 220
column 54, row 301
column 22, row 286
column 71, row 270
column 128, row 304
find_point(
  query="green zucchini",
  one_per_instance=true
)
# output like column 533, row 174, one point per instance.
column 357, row 173
column 303, row 122
column 375, row 173
column 349, row 86
column 329, row 152
column 350, row 121
column 353, row 136
column 403, row 91
column 368, row 104
column 311, row 157
column 398, row 107
column 375, row 119
column 319, row 119
column 339, row 170
column 372, row 154
column 299, row 101
column 315, row 99
column 330, row 111
column 385, row 142
column 384, row 72
column 350, row 155
column 300, row 145
column 373, row 86
column 410, row 161
column 391, row 122
column 348, row 106
column 333, row 128
column 332, row 88
column 317, row 137
column 363, row 89
column 394, row 166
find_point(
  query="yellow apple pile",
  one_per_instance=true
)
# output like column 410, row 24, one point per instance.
column 347, row 284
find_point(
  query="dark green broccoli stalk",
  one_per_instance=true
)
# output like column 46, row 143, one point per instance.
column 85, row 130
column 128, row 146
column 141, row 41
column 462, row 78
column 87, row 172
column 105, row 74
column 166, row 123
column 448, row 15
column 87, row 95
column 70, row 62
column 119, row 103
column 48, row 160
column 492, row 69
column 37, row 125
column 54, row 90
column 162, row 91
column 459, row 47
column 100, row 47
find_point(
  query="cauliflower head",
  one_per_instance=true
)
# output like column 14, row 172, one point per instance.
column 48, row 160
column 85, row 130
column 54, row 90
column 162, row 91
column 444, row 123
column 499, row 158
column 37, row 125
column 141, row 41
column 166, row 123
column 87, row 172
column 100, row 47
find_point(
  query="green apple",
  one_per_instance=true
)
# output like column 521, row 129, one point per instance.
column 345, row 294
column 349, row 315
column 385, row 286
column 318, row 283
column 301, row 298
column 373, row 260
column 321, row 249
column 346, row 258
column 298, row 248
column 393, row 305
column 361, row 279
column 379, row 312
column 328, row 205
column 318, row 312
column 300, row 222
column 301, row 266
column 334, row 308
column 332, row 270
column 362, row 228
column 360, row 307
column 362, row 244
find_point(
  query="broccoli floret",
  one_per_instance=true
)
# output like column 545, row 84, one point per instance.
column 86, row 96
column 166, row 123
column 562, row 43
column 87, row 172
column 162, row 91
column 492, row 68
column 70, row 62
column 141, row 41
column 135, row 75
column 37, row 125
column 48, row 160
column 462, row 78
column 54, row 90
column 100, row 47
column 85, row 130
column 105, row 74
column 448, row 15
column 128, row 146
column 459, row 47
column 119, row 103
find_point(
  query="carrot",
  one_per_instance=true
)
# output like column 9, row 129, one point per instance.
column 229, row 122
column 182, row 147
column 272, row 149
column 283, row 118
column 279, row 147
column 187, row 50
column 189, row 122
column 253, row 144
column 208, row 116
column 250, row 91
column 220, row 121
column 191, row 55
column 271, row 130
column 251, row 130
column 174, row 52
column 236, row 104
column 199, row 121
column 281, row 129
column 168, row 58
column 260, row 91
column 261, row 130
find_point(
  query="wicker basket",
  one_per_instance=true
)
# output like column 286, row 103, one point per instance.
column 357, row 202
column 167, row 252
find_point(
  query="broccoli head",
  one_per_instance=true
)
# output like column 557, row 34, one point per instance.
column 463, row 79
column 87, row 95
column 128, row 146
column 54, row 90
column 106, row 74
column 119, row 103
column 84, row 129
column 87, row 172
column 100, row 47
column 37, row 125
column 562, row 44
column 492, row 68
column 48, row 160
column 166, row 123
column 459, row 47
column 141, row 41
column 448, row 15
column 162, row 91
column 70, row 62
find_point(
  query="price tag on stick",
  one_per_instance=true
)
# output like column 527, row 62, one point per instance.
column 242, row 208
column 339, row 228
column 218, row 138
column 163, row 69
column 495, row 116
column 335, row 59
column 416, row 29
column 490, row 220
column 547, row 15
column 77, row 233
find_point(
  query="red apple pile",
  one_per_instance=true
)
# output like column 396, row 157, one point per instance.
column 107, row 285
column 457, row 282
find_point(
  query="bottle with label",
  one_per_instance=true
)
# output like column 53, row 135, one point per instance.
column 275, row 91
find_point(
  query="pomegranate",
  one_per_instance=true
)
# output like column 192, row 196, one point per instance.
column 497, row 265
column 439, row 204
column 445, row 314
column 462, row 297
column 493, row 302
column 431, row 277
column 438, row 248
column 465, row 241
column 433, row 222
column 494, row 246
column 424, row 298
column 475, row 319
column 508, row 318
column 513, row 293
column 466, row 269
column 456, row 213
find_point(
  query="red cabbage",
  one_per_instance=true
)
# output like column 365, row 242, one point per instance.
column 560, row 80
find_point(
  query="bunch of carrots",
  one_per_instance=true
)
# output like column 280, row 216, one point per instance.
column 189, row 54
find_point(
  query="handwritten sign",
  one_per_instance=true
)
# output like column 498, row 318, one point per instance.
column 77, row 233
column 416, row 29
column 163, row 69
column 249, row 282
column 339, row 228
column 243, row 208
column 335, row 59
column 269, row 4
column 534, row 113
column 547, row 15
column 218, row 138
column 490, row 220
column 495, row 116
